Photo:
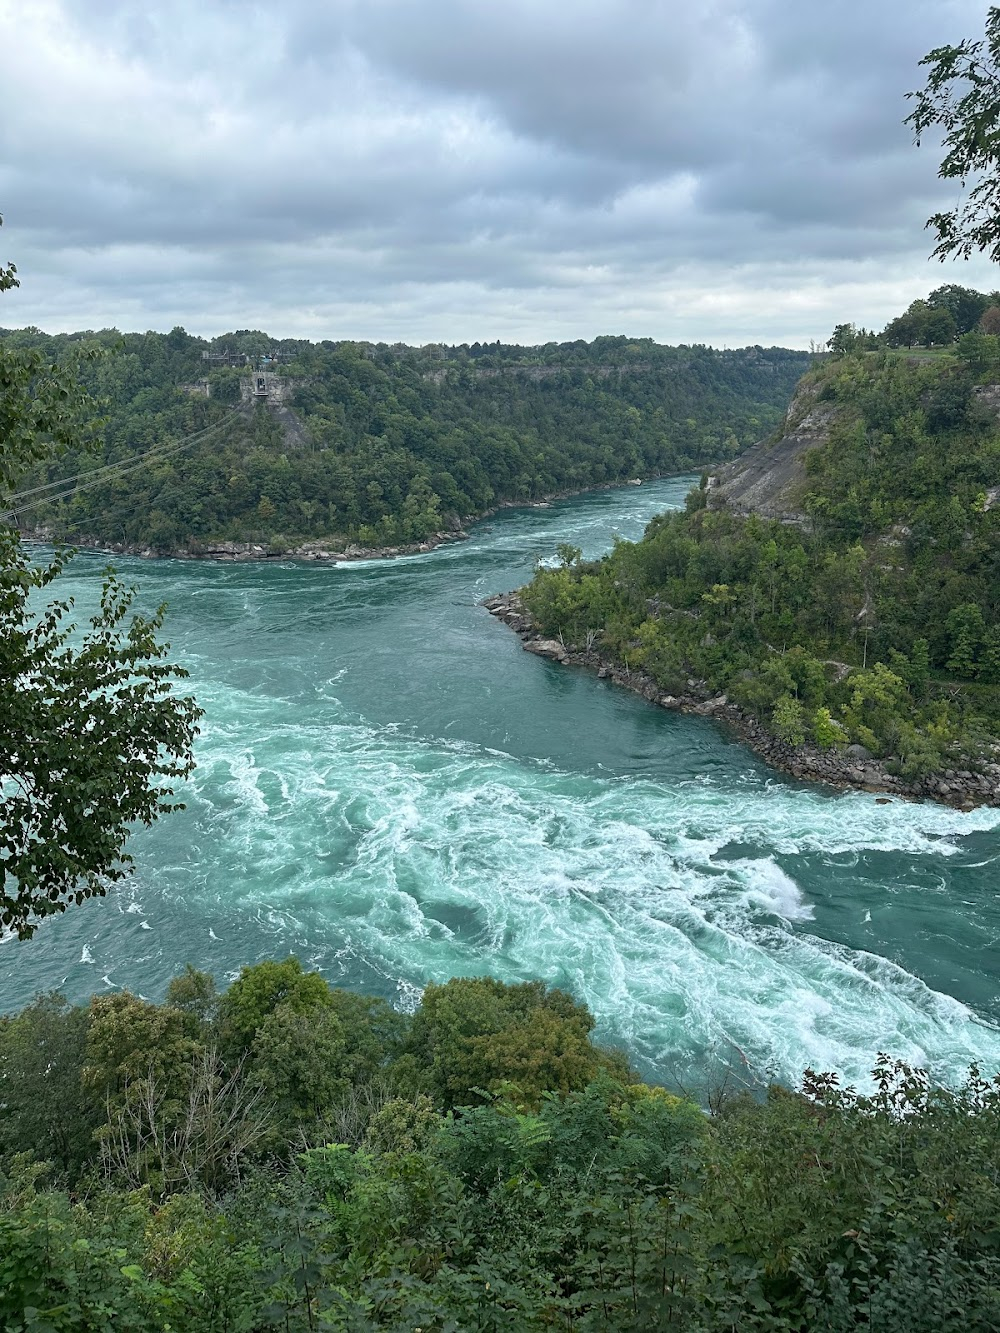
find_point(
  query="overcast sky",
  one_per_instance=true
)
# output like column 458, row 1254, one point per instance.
column 723, row 171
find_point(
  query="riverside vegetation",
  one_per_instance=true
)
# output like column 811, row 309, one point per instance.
column 868, row 613
column 292, row 1156
column 379, row 445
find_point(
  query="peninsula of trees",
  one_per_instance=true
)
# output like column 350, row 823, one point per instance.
column 840, row 585
column 374, row 444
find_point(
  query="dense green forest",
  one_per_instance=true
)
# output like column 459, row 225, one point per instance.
column 876, row 619
column 378, row 444
column 296, row 1157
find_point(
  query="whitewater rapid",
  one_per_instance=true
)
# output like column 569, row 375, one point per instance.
column 390, row 788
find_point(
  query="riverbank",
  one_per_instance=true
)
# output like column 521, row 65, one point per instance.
column 851, row 769
column 227, row 551
column 333, row 550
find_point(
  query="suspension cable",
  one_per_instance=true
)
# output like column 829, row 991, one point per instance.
column 85, row 480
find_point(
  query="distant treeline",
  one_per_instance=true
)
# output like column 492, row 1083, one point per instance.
column 388, row 444
column 949, row 313
column 290, row 1156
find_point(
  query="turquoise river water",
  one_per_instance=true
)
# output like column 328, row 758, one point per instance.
column 390, row 788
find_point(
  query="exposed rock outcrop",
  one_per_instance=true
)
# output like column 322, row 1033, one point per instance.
column 989, row 396
column 550, row 648
column 770, row 478
column 295, row 434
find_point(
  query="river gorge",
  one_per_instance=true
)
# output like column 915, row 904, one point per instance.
column 391, row 789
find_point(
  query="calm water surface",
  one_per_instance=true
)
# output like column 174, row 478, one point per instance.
column 390, row 788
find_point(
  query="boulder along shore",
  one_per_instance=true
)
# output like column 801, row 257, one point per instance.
column 849, row 769
column 235, row 551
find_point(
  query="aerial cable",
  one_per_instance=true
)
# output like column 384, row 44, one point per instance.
column 86, row 480
column 108, row 467
column 72, row 490
column 124, row 465
column 135, row 459
column 91, row 479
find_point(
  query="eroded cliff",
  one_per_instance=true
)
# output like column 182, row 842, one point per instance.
column 770, row 479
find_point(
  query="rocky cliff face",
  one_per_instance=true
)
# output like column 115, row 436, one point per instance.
column 770, row 478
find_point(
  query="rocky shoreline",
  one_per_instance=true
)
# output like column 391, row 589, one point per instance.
column 317, row 549
column 851, row 769
column 241, row 551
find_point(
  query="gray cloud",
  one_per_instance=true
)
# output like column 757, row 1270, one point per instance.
column 725, row 171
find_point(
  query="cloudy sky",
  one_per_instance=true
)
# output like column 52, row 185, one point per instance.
column 723, row 171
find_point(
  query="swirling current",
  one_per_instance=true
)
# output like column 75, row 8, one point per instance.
column 391, row 789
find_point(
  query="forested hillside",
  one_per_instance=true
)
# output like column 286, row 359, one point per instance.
column 382, row 445
column 872, row 614
column 288, row 1156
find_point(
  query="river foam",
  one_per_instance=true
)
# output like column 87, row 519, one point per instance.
column 431, row 858
column 390, row 788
